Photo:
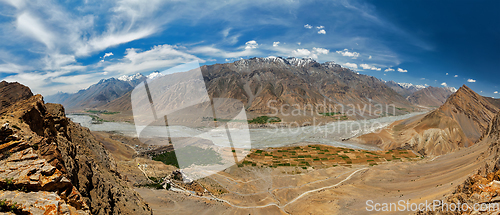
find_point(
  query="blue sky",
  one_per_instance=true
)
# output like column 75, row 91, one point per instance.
column 65, row 46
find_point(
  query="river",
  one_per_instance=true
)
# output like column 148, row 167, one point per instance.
column 329, row 134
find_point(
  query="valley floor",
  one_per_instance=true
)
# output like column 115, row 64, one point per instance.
column 332, row 190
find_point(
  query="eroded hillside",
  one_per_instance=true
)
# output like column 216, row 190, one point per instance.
column 50, row 164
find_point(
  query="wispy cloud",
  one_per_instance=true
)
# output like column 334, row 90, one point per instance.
column 32, row 27
column 161, row 56
column 347, row 53
column 389, row 70
column 471, row 80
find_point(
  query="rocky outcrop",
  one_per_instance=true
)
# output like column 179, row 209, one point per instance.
column 12, row 92
column 493, row 131
column 33, row 186
column 46, row 154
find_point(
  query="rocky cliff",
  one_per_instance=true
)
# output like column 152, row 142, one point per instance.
column 12, row 92
column 50, row 164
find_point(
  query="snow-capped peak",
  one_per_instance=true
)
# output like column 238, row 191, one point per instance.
column 452, row 89
column 154, row 75
column 410, row 85
column 131, row 77
column 290, row 61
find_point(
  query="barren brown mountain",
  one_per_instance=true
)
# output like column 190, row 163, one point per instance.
column 483, row 186
column 292, row 81
column 460, row 122
column 403, row 89
column 430, row 96
column 48, row 164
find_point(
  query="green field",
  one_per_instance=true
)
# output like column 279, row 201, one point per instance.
column 192, row 155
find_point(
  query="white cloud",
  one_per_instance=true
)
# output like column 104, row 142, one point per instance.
column 304, row 53
column 109, row 40
column 39, row 81
column 321, row 50
column 366, row 66
column 57, row 61
column 12, row 68
column 309, row 53
column 276, row 43
column 496, row 92
column 471, row 80
column 389, row 70
column 402, row 70
column 32, row 27
column 446, row 73
column 370, row 57
column 215, row 52
column 158, row 57
column 351, row 65
column 320, row 27
column 106, row 55
column 322, row 31
column 307, row 26
column 299, row 43
column 444, row 84
column 456, row 76
column 252, row 44
column 347, row 53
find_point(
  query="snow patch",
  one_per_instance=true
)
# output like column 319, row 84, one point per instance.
column 131, row 77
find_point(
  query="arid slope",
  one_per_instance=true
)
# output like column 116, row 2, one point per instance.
column 460, row 122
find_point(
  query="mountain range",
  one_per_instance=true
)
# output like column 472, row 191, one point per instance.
column 422, row 95
column 287, row 81
column 100, row 93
